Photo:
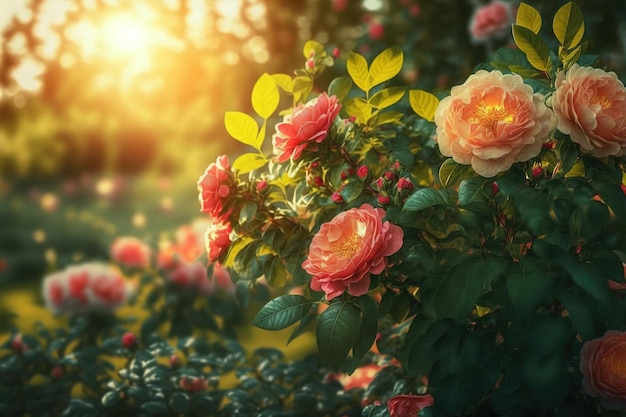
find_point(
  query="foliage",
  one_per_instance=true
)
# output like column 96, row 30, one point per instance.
column 499, row 280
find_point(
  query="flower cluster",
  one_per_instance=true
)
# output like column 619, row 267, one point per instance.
column 480, row 230
column 86, row 288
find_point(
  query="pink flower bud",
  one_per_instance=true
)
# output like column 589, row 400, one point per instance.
column 343, row 175
column 379, row 183
column 494, row 187
column 314, row 164
column 548, row 145
column 405, row 184
column 56, row 372
column 383, row 200
column 337, row 198
column 389, row 176
column 362, row 172
column 318, row 181
column 537, row 171
column 261, row 186
column 623, row 188
column 175, row 362
column 128, row 340
column 336, row 53
column 310, row 63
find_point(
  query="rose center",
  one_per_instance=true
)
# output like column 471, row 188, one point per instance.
column 489, row 115
column 615, row 365
column 349, row 246
column 602, row 101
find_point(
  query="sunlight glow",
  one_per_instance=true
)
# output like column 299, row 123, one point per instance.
column 123, row 35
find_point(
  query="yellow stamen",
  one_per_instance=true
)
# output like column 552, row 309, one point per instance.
column 488, row 116
column 348, row 247
column 602, row 101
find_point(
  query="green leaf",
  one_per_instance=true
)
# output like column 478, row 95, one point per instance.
column 424, row 198
column 569, row 25
column 284, row 81
column 533, row 46
column 589, row 278
column 154, row 407
column 314, row 47
column 337, row 331
column 359, row 108
column 423, row 103
column 457, row 292
column 451, row 173
column 179, row 402
column 368, row 331
column 386, row 65
column 421, row 352
column 528, row 285
column 242, row 127
column 265, row 97
column 471, row 190
column 528, row 17
column 387, row 97
column 247, row 162
column 579, row 315
column 282, row 312
column 276, row 272
column 247, row 212
column 340, row 87
column 358, row 71
column 352, row 190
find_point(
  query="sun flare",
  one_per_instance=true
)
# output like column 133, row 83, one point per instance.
column 123, row 35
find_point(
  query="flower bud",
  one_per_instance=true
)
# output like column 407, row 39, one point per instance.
column 362, row 172
column 405, row 184
column 175, row 362
column 129, row 340
column 383, row 200
column 389, row 176
column 548, row 145
column 17, row 344
column 379, row 183
column 623, row 187
column 318, row 181
column 261, row 186
column 537, row 171
column 310, row 63
column 56, row 372
column 337, row 198
column 336, row 53
column 494, row 187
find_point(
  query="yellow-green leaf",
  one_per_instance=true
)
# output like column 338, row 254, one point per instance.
column 302, row 87
column 533, row 46
column 284, row 81
column 265, row 96
column 387, row 97
column 569, row 25
column 248, row 161
column 359, row 108
column 386, row 117
column 358, row 70
column 569, row 57
column 528, row 17
column 423, row 103
column 386, row 65
column 242, row 127
column 313, row 46
column 340, row 87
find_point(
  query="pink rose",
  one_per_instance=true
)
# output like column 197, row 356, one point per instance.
column 217, row 239
column 491, row 21
column 85, row 288
column 307, row 124
column 347, row 249
column 591, row 107
column 131, row 252
column 214, row 187
column 603, row 365
column 408, row 405
column 492, row 121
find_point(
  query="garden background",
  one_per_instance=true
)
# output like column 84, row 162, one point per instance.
column 110, row 110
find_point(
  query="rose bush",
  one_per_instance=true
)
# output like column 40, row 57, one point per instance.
column 476, row 236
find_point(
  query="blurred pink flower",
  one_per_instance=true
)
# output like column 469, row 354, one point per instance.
column 491, row 21
column 404, row 405
column 590, row 104
column 347, row 249
column 131, row 252
column 214, row 186
column 492, row 121
column 603, row 365
column 86, row 288
column 308, row 124
column 217, row 239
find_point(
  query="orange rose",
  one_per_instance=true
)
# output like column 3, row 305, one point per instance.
column 307, row 125
column 591, row 107
column 347, row 249
column 603, row 365
column 492, row 121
